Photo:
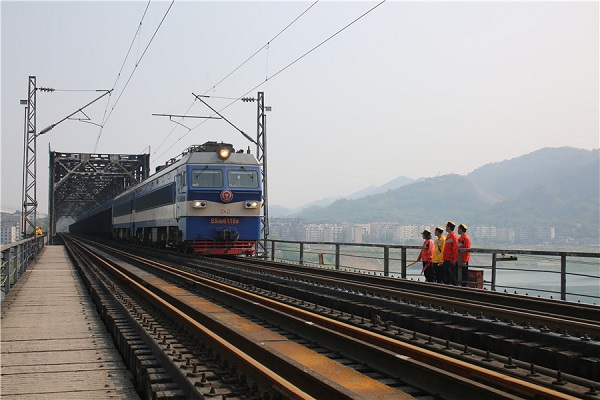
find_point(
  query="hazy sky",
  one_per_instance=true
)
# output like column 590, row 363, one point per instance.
column 413, row 88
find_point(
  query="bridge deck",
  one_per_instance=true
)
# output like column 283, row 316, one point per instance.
column 54, row 345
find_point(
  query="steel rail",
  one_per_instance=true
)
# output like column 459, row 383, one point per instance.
column 361, row 336
column 518, row 314
column 278, row 383
column 568, row 309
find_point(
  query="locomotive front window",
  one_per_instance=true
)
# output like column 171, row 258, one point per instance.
column 207, row 178
column 242, row 179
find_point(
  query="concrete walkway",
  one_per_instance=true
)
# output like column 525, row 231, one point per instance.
column 53, row 343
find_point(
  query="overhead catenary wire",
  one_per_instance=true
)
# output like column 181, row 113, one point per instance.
column 134, row 68
column 141, row 57
column 313, row 49
column 213, row 87
column 73, row 90
column 137, row 32
column 282, row 69
column 265, row 46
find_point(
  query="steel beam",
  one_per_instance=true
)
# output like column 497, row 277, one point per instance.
column 29, row 200
column 261, row 155
column 80, row 182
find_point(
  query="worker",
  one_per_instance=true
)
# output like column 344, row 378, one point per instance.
column 438, row 259
column 464, row 242
column 450, row 255
column 38, row 231
column 426, row 255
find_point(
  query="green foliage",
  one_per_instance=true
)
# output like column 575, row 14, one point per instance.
column 551, row 187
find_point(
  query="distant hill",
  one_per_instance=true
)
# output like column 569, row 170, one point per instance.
column 511, row 177
column 276, row 211
column 371, row 190
column 279, row 211
column 427, row 200
column 550, row 187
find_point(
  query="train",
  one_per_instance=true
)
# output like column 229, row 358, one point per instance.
column 208, row 202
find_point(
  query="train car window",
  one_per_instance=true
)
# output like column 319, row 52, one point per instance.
column 183, row 179
column 242, row 178
column 207, row 178
column 156, row 198
column 122, row 209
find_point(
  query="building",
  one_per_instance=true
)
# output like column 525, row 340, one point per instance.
column 354, row 233
column 506, row 235
column 324, row 233
column 10, row 234
column 484, row 232
column 410, row 232
column 392, row 232
column 11, row 227
column 383, row 231
column 546, row 233
column 286, row 228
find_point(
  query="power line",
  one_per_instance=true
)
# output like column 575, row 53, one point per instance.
column 137, row 32
column 134, row 69
column 314, row 48
column 140, row 59
column 68, row 90
column 227, row 76
column 104, row 117
column 263, row 47
column 284, row 68
column 173, row 130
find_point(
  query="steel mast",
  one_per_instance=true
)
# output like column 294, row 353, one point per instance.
column 29, row 200
column 261, row 155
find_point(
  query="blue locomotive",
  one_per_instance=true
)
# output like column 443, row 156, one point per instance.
column 207, row 202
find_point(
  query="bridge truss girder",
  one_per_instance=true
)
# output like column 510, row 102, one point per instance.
column 80, row 182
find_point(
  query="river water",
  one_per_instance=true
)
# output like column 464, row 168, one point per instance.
column 541, row 277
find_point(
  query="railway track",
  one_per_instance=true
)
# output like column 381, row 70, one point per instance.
column 529, row 338
column 579, row 319
column 400, row 363
column 484, row 326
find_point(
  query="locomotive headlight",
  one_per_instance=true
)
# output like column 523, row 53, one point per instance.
column 251, row 204
column 224, row 153
column 200, row 204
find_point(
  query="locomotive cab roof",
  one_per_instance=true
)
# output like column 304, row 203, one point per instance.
column 212, row 153
column 210, row 147
column 214, row 158
column 203, row 155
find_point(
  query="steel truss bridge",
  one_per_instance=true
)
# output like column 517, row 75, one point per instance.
column 80, row 182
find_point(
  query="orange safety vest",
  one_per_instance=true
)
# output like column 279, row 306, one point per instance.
column 464, row 242
column 426, row 253
column 451, row 248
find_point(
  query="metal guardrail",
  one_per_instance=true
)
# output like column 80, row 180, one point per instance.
column 561, row 269
column 16, row 258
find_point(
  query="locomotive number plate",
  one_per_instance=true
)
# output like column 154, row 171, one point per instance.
column 227, row 221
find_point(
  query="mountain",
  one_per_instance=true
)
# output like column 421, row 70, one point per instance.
column 549, row 187
column 279, row 211
column 276, row 211
column 511, row 177
column 561, row 187
column 429, row 199
column 371, row 190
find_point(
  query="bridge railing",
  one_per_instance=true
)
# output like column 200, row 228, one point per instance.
column 16, row 258
column 573, row 276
